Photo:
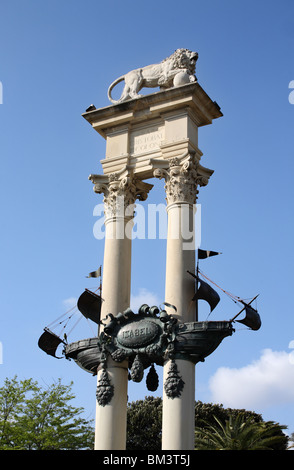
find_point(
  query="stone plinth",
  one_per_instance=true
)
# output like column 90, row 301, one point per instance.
column 161, row 125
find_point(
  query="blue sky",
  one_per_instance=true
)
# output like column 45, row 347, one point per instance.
column 57, row 58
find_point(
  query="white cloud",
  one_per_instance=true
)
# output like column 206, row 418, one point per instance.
column 70, row 302
column 144, row 297
column 265, row 382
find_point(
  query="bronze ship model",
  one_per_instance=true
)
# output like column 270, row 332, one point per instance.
column 149, row 337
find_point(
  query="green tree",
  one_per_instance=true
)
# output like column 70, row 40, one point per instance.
column 239, row 434
column 206, row 415
column 144, row 424
column 207, row 412
column 34, row 418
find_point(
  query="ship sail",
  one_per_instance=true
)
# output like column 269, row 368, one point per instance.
column 89, row 304
column 206, row 292
column 252, row 318
column 49, row 342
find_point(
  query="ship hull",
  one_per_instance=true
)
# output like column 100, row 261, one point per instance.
column 193, row 341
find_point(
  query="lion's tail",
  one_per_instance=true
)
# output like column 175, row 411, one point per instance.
column 118, row 80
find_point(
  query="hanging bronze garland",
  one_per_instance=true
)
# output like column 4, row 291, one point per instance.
column 174, row 384
column 105, row 389
column 152, row 379
column 137, row 370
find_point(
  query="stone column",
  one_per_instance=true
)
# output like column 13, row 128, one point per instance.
column 181, row 178
column 120, row 192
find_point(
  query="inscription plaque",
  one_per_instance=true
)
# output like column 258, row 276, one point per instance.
column 137, row 334
column 146, row 140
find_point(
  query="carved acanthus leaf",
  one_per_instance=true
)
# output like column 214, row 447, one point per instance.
column 120, row 191
column 182, row 177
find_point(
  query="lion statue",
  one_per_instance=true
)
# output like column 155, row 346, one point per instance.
column 180, row 64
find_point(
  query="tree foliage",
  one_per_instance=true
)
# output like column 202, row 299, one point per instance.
column 207, row 412
column 144, row 424
column 237, row 428
column 34, row 418
column 209, row 416
column 236, row 433
column 38, row 418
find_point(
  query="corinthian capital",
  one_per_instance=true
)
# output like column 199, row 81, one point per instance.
column 182, row 177
column 120, row 191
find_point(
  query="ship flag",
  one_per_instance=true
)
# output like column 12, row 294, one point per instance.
column 202, row 254
column 96, row 273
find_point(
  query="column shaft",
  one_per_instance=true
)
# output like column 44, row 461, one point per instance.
column 181, row 180
column 110, row 429
column 178, row 421
column 120, row 192
column 178, row 417
column 180, row 257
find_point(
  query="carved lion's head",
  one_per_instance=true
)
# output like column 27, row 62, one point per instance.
column 185, row 59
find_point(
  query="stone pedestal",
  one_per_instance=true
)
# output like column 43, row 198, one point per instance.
column 158, row 126
column 155, row 135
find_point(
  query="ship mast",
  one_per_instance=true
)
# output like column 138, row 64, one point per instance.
column 197, row 274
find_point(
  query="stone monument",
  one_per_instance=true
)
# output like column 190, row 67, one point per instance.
column 155, row 135
column 147, row 136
